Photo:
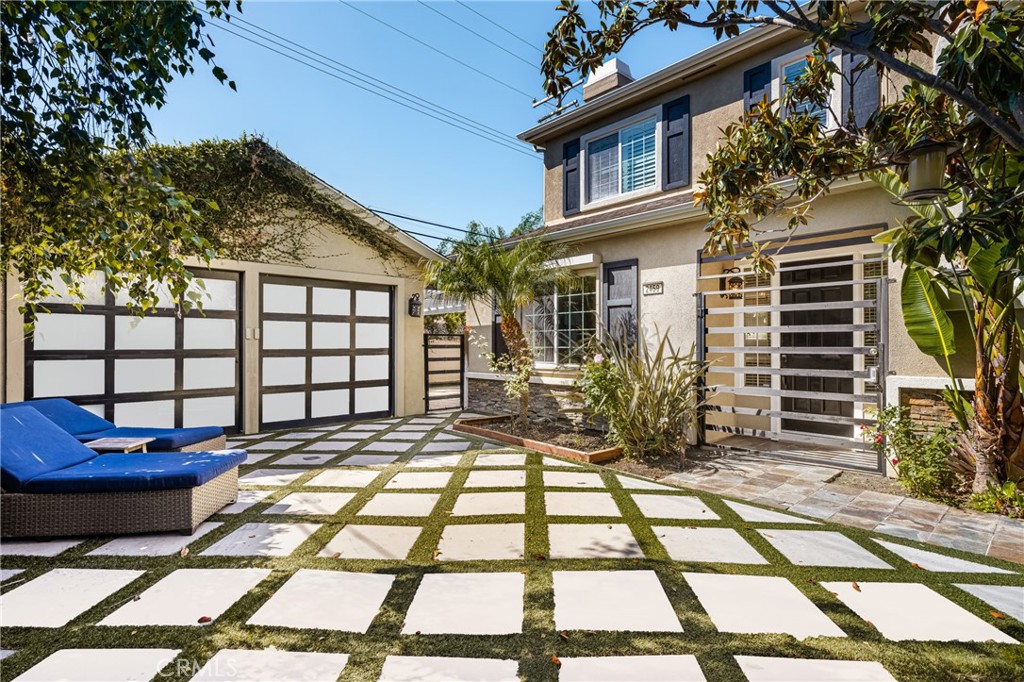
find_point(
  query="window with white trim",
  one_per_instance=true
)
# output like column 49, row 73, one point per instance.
column 560, row 325
column 788, row 67
column 622, row 162
column 790, row 73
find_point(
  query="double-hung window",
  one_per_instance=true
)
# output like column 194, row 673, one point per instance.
column 560, row 325
column 622, row 162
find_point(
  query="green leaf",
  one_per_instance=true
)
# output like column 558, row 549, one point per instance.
column 927, row 323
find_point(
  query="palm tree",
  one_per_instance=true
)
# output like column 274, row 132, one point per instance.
column 512, row 274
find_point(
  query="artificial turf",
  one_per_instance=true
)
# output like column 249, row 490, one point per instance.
column 539, row 640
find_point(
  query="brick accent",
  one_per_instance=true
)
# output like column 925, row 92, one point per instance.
column 546, row 401
column 927, row 410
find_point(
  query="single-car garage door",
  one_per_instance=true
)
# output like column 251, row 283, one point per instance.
column 163, row 369
column 326, row 351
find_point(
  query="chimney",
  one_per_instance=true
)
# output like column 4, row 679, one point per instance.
column 609, row 76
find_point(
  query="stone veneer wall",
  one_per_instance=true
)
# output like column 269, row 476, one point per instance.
column 546, row 401
column 927, row 410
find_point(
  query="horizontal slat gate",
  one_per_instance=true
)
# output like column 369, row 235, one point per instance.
column 444, row 361
column 797, row 356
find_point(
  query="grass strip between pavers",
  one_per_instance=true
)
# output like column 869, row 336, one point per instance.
column 534, row 647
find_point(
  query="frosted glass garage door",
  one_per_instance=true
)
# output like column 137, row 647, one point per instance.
column 158, row 370
column 326, row 351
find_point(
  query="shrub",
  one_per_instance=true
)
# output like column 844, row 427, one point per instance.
column 924, row 462
column 1007, row 499
column 647, row 396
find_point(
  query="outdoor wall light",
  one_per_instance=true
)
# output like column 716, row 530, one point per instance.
column 415, row 306
column 926, row 172
column 733, row 286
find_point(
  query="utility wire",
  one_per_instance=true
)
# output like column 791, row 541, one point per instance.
column 493, row 22
column 334, row 74
column 478, row 35
column 364, row 77
column 420, row 220
column 440, row 52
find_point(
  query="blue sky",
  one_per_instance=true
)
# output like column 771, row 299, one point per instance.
column 382, row 154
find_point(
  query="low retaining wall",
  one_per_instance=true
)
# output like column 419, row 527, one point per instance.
column 546, row 401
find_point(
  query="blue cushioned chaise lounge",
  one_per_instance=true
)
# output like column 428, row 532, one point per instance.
column 86, row 426
column 52, row 485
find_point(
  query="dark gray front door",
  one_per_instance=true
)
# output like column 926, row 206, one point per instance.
column 831, row 283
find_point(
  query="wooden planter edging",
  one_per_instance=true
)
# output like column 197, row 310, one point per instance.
column 476, row 426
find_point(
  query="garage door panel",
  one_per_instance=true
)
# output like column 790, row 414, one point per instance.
column 332, row 369
column 284, row 407
column 209, row 373
column 210, row 333
column 158, row 413
column 139, row 375
column 278, row 334
column 69, row 331
column 143, row 333
column 332, row 301
column 336, row 353
column 55, row 378
column 213, row 411
column 140, row 371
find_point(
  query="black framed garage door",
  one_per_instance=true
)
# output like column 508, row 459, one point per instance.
column 159, row 370
column 326, row 351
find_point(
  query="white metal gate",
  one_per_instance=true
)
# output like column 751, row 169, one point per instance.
column 797, row 355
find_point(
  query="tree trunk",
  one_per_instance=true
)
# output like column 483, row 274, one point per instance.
column 522, row 356
column 998, row 427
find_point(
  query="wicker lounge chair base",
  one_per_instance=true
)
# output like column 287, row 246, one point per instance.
column 149, row 511
column 218, row 443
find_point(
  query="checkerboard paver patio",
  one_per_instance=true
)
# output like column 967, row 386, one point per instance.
column 397, row 550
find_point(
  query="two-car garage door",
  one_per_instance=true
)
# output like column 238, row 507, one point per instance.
column 326, row 355
column 326, row 351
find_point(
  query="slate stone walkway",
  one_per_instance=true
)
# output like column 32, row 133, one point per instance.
column 808, row 490
column 400, row 550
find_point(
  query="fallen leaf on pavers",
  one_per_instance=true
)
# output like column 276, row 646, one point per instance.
column 437, row 553
column 748, row 526
column 204, row 619
column 564, row 635
column 336, row 555
column 524, row 572
column 556, row 660
column 183, row 553
column 636, row 561
column 913, row 565
column 768, row 535
column 996, row 614
column 609, row 526
column 856, row 586
column 539, row 557
column 871, row 624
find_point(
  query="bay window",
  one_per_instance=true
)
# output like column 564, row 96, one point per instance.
column 560, row 325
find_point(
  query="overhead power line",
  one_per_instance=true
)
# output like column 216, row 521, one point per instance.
column 333, row 73
column 420, row 220
column 494, row 23
column 478, row 35
column 365, row 77
column 439, row 51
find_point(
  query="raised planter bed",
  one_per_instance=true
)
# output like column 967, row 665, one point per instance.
column 478, row 426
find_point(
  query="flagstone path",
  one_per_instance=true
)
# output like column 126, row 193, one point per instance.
column 808, row 489
column 400, row 550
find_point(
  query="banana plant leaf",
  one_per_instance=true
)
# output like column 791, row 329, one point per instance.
column 927, row 323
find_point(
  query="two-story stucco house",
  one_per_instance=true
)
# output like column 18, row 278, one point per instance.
column 803, row 356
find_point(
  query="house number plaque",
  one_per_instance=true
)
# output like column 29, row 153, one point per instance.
column 653, row 288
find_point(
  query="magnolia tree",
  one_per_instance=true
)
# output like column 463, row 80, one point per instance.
column 961, row 69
